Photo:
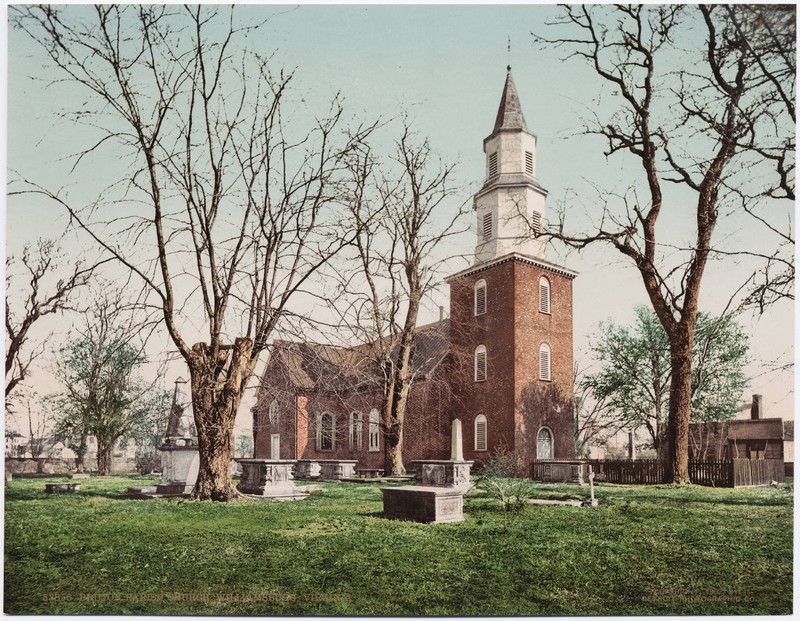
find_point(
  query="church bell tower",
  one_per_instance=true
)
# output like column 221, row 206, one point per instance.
column 511, row 311
column 511, row 203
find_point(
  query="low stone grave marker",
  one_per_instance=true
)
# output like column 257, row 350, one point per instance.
column 333, row 470
column 439, row 495
column 417, row 503
column 270, row 478
column 62, row 488
column 306, row 469
column 369, row 473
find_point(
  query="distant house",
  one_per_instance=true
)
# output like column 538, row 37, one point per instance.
column 755, row 446
column 753, row 438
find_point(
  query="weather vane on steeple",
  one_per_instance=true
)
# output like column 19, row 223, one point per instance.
column 509, row 52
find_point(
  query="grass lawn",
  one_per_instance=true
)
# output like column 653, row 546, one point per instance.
column 644, row 550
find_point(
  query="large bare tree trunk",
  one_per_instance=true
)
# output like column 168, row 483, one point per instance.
column 393, row 449
column 680, row 408
column 402, row 382
column 394, row 430
column 218, row 381
column 80, row 454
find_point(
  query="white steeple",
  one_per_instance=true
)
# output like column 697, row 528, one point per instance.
column 511, row 200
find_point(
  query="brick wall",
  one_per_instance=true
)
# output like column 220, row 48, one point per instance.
column 427, row 425
column 514, row 400
column 493, row 398
column 543, row 403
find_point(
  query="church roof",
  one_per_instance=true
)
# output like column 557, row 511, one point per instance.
column 314, row 366
column 509, row 114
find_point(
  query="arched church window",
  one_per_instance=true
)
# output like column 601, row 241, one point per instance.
column 480, row 433
column 544, row 295
column 480, row 363
column 274, row 412
column 374, row 430
column 480, row 297
column 355, row 431
column 326, row 428
column 544, row 362
column 544, row 444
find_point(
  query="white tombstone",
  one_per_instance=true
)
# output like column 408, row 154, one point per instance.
column 456, row 442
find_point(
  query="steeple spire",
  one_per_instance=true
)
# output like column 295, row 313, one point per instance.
column 511, row 200
column 509, row 114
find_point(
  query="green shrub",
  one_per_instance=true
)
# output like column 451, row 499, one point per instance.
column 511, row 493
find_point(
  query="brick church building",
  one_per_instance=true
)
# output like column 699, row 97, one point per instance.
column 501, row 362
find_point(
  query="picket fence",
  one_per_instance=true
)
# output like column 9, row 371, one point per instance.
column 731, row 473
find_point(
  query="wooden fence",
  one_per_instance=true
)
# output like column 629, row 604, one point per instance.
column 731, row 473
column 757, row 471
column 630, row 472
column 711, row 473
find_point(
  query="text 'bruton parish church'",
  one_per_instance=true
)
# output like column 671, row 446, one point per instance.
column 501, row 363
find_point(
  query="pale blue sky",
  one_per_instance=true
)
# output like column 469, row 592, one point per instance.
column 445, row 64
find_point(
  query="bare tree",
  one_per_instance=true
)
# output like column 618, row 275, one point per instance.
column 723, row 119
column 38, row 424
column 594, row 423
column 29, row 278
column 401, row 211
column 768, row 34
column 229, row 210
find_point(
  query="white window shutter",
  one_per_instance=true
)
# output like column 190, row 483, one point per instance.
column 544, row 363
column 487, row 226
column 480, row 433
column 480, row 298
column 544, row 296
column 480, row 365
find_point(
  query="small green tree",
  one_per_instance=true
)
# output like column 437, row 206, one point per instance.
column 498, row 479
column 148, row 430
column 635, row 375
column 104, row 394
column 72, row 428
column 244, row 446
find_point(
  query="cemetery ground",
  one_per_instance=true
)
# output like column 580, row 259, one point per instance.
column 644, row 550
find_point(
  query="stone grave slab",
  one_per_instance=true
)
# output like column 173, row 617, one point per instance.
column 269, row 478
column 62, row 488
column 418, row 503
column 332, row 470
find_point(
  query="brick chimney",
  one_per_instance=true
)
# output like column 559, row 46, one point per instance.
column 757, row 409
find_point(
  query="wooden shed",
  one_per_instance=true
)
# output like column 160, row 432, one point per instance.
column 755, row 448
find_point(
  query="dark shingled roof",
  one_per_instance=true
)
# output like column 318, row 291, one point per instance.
column 509, row 114
column 788, row 430
column 312, row 366
column 760, row 429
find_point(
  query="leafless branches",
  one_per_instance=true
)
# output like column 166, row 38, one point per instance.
column 230, row 196
column 401, row 211
column 32, row 273
column 701, row 119
column 594, row 424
